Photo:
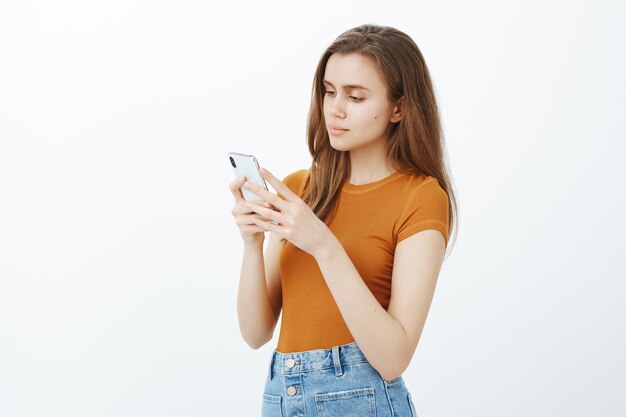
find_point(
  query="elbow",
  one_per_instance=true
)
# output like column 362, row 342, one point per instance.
column 392, row 369
column 254, row 336
column 390, row 376
column 256, row 343
column 255, row 346
column 390, row 373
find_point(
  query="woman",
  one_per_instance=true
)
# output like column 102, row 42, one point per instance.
column 360, row 236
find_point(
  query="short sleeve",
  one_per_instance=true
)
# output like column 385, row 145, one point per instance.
column 426, row 208
column 295, row 182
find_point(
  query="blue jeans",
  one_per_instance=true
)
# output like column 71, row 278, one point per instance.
column 337, row 382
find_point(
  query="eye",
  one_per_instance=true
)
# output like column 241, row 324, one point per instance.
column 330, row 93
column 355, row 99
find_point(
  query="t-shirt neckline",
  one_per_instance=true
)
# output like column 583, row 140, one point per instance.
column 354, row 188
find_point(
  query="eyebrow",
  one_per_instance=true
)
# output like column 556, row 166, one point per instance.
column 348, row 86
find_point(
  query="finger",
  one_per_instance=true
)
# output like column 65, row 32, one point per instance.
column 250, row 229
column 235, row 188
column 241, row 209
column 278, row 185
column 261, row 203
column 270, row 227
column 265, row 212
column 248, row 219
column 265, row 195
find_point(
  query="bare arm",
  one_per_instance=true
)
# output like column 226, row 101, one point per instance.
column 387, row 338
column 259, row 297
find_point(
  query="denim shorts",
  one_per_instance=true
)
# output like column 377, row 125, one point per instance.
column 337, row 382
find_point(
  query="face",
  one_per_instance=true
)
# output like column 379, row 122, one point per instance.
column 356, row 108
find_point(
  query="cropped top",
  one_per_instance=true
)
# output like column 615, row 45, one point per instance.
column 370, row 220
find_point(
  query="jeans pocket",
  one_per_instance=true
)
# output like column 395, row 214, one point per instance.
column 272, row 406
column 411, row 405
column 359, row 402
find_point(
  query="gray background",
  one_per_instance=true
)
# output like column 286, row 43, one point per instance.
column 119, row 259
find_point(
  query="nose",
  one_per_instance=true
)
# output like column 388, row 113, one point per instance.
column 336, row 108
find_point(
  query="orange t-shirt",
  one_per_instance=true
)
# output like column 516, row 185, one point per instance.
column 369, row 222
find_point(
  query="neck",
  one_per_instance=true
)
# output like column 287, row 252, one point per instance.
column 369, row 165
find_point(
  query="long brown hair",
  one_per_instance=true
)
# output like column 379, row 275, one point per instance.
column 416, row 142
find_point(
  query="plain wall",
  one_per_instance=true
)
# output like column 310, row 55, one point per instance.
column 119, row 258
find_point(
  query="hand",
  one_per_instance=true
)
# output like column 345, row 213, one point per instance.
column 244, row 217
column 296, row 221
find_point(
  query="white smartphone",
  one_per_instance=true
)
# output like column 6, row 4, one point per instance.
column 248, row 166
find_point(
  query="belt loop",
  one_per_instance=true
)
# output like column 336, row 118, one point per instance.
column 336, row 361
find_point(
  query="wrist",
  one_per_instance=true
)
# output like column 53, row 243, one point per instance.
column 253, row 245
column 328, row 250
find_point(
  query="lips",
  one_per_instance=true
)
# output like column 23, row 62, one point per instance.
column 336, row 130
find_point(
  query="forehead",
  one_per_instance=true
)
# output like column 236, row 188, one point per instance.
column 354, row 69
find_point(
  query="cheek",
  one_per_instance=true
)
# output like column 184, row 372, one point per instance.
column 372, row 115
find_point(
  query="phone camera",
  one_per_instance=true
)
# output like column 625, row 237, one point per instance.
column 232, row 162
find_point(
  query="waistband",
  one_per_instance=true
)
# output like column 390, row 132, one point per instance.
column 314, row 360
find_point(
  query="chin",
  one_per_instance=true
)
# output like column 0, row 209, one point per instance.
column 340, row 143
column 341, row 147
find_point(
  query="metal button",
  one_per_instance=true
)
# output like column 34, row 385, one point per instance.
column 290, row 363
column 291, row 391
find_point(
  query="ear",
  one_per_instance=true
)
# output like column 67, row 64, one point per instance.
column 398, row 111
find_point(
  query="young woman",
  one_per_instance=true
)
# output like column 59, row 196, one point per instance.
column 360, row 236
